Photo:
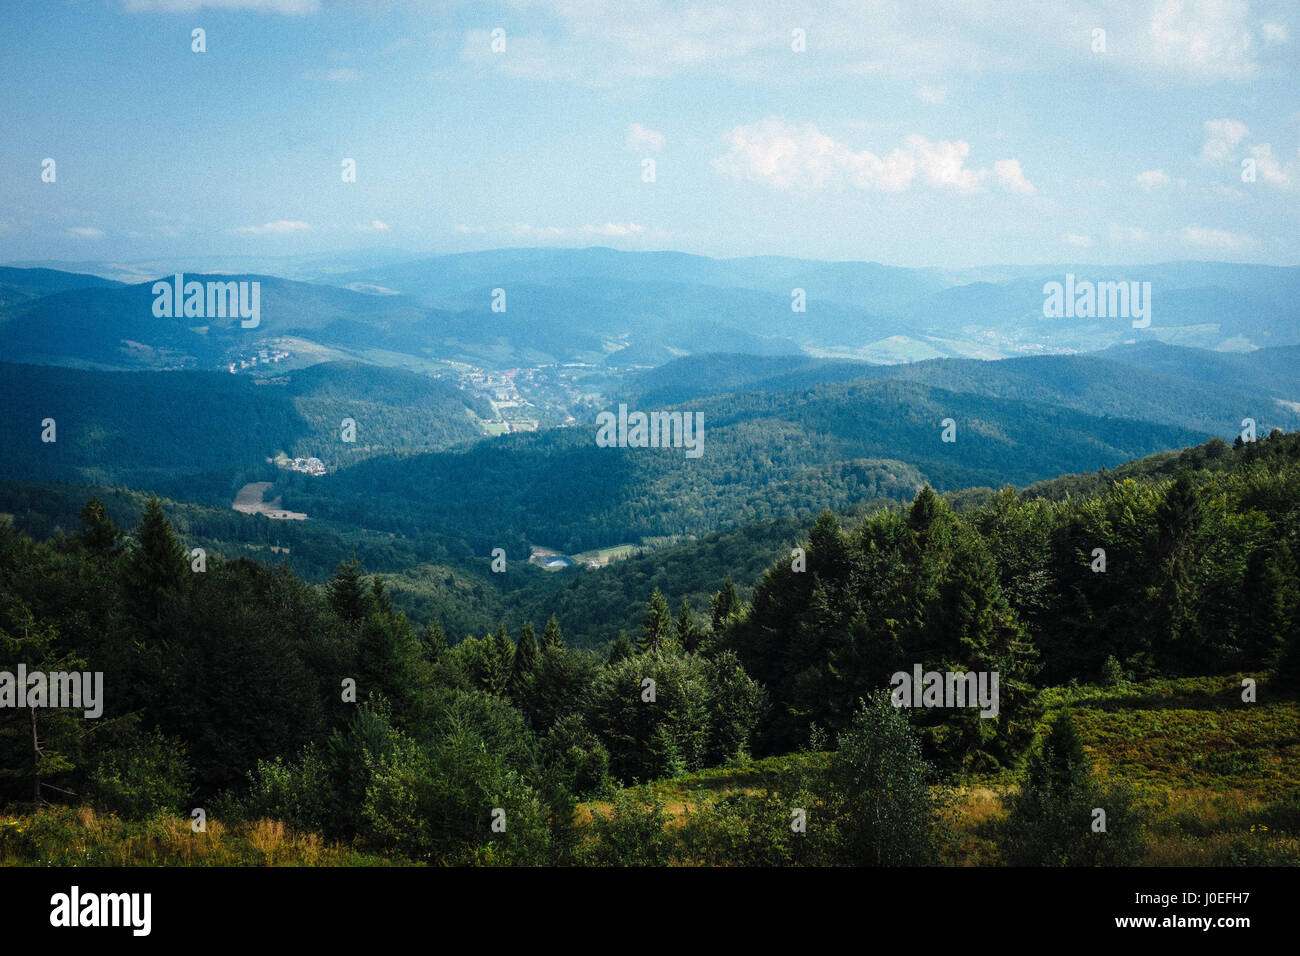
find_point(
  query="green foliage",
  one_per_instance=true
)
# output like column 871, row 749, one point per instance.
column 633, row 833
column 1053, row 819
column 878, row 795
column 143, row 777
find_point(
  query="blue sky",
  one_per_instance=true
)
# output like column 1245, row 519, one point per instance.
column 944, row 133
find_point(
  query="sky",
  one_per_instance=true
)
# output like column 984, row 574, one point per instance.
column 945, row 134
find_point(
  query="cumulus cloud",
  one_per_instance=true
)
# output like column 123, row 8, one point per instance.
column 279, row 227
column 85, row 232
column 1078, row 241
column 1221, row 138
column 1152, row 179
column 375, row 226
column 1268, row 169
column 1209, row 39
column 1009, row 174
column 644, row 140
column 609, row 229
column 788, row 156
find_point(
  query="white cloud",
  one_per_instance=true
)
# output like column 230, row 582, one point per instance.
column 1221, row 138
column 1009, row 174
column 289, row 7
column 924, row 45
column 614, row 229
column 279, row 227
column 1216, row 239
column 1152, row 179
column 1269, row 170
column 787, row 156
column 85, row 232
column 375, row 226
column 1205, row 39
column 644, row 140
column 1074, row 239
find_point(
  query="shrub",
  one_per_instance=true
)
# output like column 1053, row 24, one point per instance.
column 146, row 776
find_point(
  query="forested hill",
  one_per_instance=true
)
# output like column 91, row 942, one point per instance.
column 1165, row 384
column 765, row 454
column 160, row 430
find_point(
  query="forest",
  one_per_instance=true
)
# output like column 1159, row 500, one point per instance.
column 240, row 691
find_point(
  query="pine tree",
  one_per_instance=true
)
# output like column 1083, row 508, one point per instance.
column 434, row 640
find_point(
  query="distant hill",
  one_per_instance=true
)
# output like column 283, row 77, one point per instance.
column 642, row 308
column 1169, row 385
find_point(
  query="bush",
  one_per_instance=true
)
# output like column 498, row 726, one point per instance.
column 1112, row 674
column 878, row 791
column 298, row 793
column 576, row 758
column 147, row 776
column 634, row 834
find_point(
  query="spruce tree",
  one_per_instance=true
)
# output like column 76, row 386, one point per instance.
column 724, row 606
column 552, row 636
column 524, row 666
column 656, row 626
column 688, row 635
column 157, row 570
column 501, row 659
column 346, row 591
